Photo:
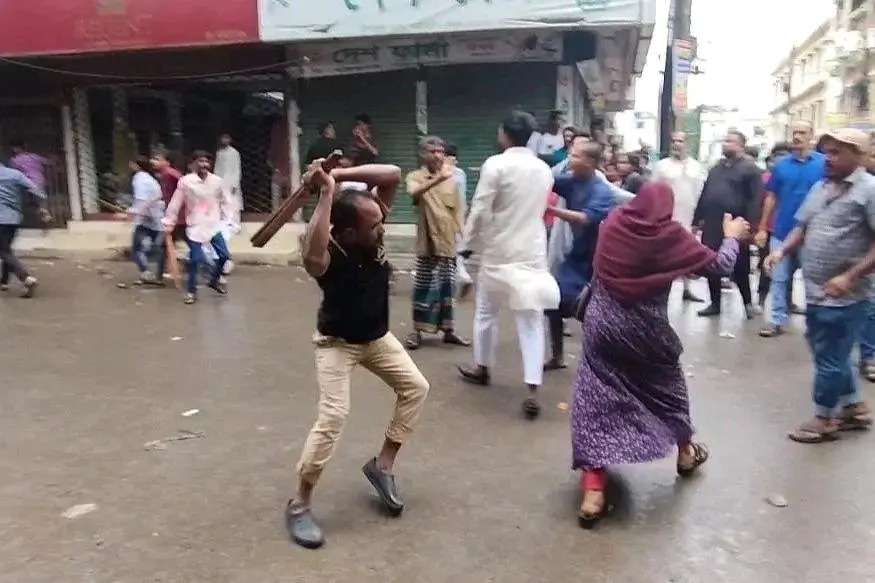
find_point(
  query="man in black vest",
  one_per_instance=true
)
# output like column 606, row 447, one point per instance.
column 343, row 251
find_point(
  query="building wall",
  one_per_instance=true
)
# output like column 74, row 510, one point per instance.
column 855, row 41
column 801, row 84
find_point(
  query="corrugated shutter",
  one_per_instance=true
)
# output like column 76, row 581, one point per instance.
column 389, row 98
column 466, row 104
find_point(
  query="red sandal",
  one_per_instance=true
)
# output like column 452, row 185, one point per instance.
column 592, row 481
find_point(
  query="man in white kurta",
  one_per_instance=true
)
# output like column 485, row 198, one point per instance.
column 229, row 168
column 686, row 179
column 505, row 225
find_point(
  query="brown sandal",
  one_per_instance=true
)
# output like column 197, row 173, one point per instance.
column 771, row 331
column 813, row 431
column 854, row 418
column 867, row 370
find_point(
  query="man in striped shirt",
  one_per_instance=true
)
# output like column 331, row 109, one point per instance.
column 836, row 232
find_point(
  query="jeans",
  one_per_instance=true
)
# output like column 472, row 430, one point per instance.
column 197, row 258
column 11, row 264
column 145, row 237
column 782, row 274
column 867, row 333
column 832, row 333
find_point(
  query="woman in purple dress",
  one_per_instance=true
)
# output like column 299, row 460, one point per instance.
column 630, row 397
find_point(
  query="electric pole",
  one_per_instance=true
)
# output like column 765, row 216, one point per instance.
column 679, row 18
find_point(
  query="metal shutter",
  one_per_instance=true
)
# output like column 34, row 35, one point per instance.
column 466, row 104
column 389, row 98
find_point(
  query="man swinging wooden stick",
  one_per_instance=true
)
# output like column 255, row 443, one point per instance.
column 348, row 262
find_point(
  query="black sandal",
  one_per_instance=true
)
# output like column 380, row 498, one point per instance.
column 413, row 341
column 531, row 408
column 474, row 375
column 554, row 364
column 455, row 339
column 700, row 456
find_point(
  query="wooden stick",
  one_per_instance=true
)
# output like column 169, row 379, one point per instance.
column 172, row 261
column 111, row 206
column 290, row 206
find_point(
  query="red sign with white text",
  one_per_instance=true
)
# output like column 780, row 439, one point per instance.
column 51, row 27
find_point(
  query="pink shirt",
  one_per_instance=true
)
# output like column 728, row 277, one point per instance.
column 206, row 200
column 32, row 166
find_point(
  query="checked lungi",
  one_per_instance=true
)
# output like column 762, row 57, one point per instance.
column 434, row 290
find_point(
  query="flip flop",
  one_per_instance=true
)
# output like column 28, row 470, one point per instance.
column 813, row 432
column 850, row 420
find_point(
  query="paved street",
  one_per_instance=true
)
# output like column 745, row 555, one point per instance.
column 92, row 373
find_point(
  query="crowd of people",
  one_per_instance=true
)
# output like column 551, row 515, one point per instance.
column 562, row 232
column 559, row 243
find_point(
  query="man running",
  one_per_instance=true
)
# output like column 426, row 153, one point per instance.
column 14, row 186
column 207, row 199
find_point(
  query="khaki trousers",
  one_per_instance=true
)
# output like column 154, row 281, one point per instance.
column 335, row 361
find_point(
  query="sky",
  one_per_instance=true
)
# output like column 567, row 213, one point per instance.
column 740, row 44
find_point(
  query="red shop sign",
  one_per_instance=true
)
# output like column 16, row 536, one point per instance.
column 40, row 27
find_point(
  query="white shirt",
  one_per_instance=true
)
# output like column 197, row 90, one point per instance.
column 228, row 167
column 534, row 142
column 148, row 206
column 506, row 224
column 551, row 143
column 207, row 201
column 686, row 180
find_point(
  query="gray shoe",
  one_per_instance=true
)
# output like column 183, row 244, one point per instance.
column 303, row 530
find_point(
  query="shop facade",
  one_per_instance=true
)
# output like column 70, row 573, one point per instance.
column 453, row 69
column 106, row 81
column 103, row 81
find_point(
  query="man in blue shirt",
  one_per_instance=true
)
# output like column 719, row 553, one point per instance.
column 792, row 178
column 588, row 199
column 14, row 185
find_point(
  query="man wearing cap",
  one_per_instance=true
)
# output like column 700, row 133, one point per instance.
column 836, row 233
column 789, row 184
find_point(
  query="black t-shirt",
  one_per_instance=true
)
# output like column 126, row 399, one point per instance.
column 355, row 297
column 359, row 154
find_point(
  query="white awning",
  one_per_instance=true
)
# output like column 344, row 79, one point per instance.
column 309, row 20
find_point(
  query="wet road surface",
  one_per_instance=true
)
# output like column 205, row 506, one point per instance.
column 92, row 373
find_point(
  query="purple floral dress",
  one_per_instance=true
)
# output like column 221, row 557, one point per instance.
column 630, row 397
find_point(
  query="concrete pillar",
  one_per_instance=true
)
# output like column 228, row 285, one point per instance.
column 173, row 103
column 422, row 107
column 84, row 147
column 70, row 162
column 293, row 114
